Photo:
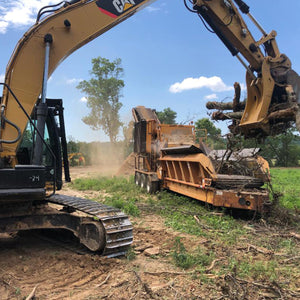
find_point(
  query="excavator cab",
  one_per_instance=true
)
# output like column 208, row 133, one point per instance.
column 55, row 139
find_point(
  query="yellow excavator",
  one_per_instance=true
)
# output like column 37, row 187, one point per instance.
column 32, row 141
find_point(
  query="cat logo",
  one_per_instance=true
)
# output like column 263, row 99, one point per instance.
column 116, row 8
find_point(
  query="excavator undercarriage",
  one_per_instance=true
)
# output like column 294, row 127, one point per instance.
column 100, row 228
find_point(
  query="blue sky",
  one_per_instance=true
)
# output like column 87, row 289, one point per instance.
column 160, row 46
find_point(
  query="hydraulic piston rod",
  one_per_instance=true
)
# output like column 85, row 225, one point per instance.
column 42, row 106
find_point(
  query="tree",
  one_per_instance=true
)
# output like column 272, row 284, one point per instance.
column 167, row 116
column 284, row 148
column 214, row 138
column 103, row 92
column 72, row 145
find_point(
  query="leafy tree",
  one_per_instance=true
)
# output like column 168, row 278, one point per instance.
column 167, row 116
column 72, row 145
column 214, row 138
column 284, row 148
column 103, row 92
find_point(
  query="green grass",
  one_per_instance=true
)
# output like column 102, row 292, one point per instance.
column 223, row 237
column 287, row 182
column 251, row 268
column 185, row 260
column 109, row 185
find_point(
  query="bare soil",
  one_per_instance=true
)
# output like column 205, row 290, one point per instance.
column 27, row 262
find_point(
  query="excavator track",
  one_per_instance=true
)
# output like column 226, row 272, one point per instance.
column 117, row 227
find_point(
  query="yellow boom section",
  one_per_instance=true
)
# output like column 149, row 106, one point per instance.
column 71, row 27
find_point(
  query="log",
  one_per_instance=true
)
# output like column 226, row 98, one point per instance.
column 225, row 105
column 288, row 113
column 220, row 116
column 235, row 105
column 237, row 95
column 219, row 105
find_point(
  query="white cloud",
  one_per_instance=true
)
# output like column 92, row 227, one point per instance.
column 3, row 26
column 2, row 77
column 243, row 87
column 152, row 9
column 73, row 80
column 214, row 83
column 83, row 99
column 211, row 97
column 16, row 13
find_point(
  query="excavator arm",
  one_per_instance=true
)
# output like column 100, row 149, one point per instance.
column 273, row 97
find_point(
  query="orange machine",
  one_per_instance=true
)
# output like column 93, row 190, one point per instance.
column 166, row 156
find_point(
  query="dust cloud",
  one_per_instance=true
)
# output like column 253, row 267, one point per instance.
column 104, row 159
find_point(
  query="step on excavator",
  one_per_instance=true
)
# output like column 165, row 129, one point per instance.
column 32, row 142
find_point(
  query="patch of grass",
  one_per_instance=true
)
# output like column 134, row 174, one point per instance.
column 261, row 270
column 288, row 246
column 185, row 260
column 128, row 205
column 179, row 212
column 106, row 184
column 130, row 255
column 287, row 182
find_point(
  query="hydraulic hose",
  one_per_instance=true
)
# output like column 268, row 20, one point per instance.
column 3, row 118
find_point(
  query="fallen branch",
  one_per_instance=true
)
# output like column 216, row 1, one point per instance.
column 5, row 282
column 168, row 273
column 162, row 286
column 199, row 223
column 291, row 258
column 295, row 235
column 291, row 234
column 120, row 283
column 145, row 286
column 267, row 287
column 213, row 264
column 260, row 250
column 32, row 294
column 103, row 282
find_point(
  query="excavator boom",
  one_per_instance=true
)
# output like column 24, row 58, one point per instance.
column 272, row 103
column 71, row 26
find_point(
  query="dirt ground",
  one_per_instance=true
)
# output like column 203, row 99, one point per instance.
column 28, row 262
